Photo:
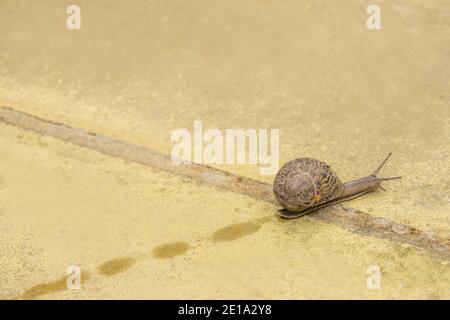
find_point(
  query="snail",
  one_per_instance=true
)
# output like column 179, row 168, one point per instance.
column 305, row 185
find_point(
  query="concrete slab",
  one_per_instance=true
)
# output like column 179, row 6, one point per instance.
column 137, row 71
column 136, row 233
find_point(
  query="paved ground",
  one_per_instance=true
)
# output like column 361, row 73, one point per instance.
column 137, row 71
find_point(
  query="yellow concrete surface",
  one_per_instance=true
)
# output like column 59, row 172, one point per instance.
column 137, row 70
column 143, row 234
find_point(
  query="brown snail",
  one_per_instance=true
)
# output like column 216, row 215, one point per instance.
column 305, row 185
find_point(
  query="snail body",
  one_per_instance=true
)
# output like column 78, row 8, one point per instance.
column 305, row 185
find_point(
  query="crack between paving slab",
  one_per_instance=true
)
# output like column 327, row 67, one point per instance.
column 350, row 219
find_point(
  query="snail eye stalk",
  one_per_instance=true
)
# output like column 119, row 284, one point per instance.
column 381, row 165
column 386, row 179
column 374, row 174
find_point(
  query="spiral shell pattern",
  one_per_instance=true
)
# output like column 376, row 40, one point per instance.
column 305, row 182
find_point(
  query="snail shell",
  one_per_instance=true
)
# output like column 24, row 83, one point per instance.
column 303, row 183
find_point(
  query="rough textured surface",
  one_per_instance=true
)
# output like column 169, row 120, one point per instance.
column 350, row 219
column 337, row 91
column 137, row 233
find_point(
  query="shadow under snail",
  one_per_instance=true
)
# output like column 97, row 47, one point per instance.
column 305, row 185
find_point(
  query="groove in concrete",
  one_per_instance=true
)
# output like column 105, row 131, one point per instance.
column 353, row 220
